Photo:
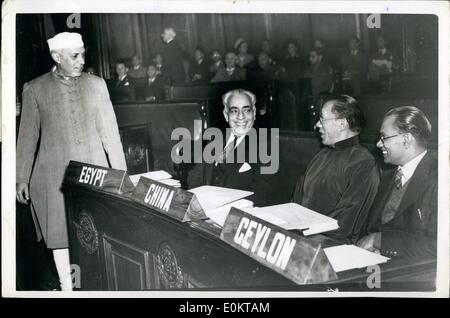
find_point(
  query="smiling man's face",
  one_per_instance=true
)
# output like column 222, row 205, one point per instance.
column 392, row 147
column 240, row 114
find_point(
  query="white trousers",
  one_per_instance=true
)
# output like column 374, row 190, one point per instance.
column 62, row 262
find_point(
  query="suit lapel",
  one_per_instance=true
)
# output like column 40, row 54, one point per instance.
column 415, row 185
column 384, row 192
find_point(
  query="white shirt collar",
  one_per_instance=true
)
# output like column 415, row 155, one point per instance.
column 409, row 167
column 231, row 138
column 122, row 77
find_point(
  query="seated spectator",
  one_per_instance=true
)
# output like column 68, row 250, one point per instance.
column 122, row 75
column 321, row 74
column 294, row 63
column 155, row 84
column 319, row 44
column 158, row 62
column 91, row 70
column 138, row 70
column 265, row 71
column 354, row 66
column 267, row 47
column 327, row 57
column 382, row 61
column 244, row 59
column 231, row 72
column 199, row 68
column 217, row 62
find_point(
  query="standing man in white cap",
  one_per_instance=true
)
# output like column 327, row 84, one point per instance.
column 72, row 115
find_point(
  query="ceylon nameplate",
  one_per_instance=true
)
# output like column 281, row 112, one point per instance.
column 293, row 256
column 177, row 203
column 98, row 177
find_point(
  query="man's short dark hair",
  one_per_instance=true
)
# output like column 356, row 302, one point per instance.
column 316, row 50
column 200, row 49
column 345, row 106
column 410, row 119
column 121, row 62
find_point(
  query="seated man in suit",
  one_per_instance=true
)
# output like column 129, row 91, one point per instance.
column 321, row 74
column 243, row 173
column 265, row 71
column 403, row 219
column 354, row 65
column 231, row 72
column 138, row 70
column 199, row 67
column 342, row 179
column 122, row 75
column 155, row 84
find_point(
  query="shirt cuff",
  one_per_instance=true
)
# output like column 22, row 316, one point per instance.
column 377, row 240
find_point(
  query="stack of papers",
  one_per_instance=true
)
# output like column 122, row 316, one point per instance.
column 345, row 257
column 292, row 216
column 160, row 176
column 219, row 215
column 217, row 201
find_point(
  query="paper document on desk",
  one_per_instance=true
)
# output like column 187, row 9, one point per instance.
column 345, row 257
column 211, row 197
column 159, row 175
column 219, row 215
column 292, row 216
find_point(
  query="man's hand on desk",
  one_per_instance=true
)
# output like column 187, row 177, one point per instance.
column 371, row 242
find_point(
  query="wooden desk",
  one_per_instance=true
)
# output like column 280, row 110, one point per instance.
column 121, row 245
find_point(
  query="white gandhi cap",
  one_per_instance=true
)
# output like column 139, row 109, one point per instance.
column 65, row 40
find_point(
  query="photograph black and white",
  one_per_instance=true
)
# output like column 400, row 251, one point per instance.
column 226, row 146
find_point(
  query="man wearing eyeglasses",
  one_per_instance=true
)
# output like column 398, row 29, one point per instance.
column 342, row 179
column 403, row 220
column 235, row 168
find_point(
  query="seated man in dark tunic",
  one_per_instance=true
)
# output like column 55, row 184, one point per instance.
column 341, row 180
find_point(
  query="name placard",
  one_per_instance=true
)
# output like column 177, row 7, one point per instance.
column 177, row 203
column 293, row 256
column 98, row 177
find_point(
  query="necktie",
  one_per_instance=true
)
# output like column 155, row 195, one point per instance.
column 398, row 178
column 227, row 151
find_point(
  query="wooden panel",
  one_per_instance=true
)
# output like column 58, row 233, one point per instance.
column 164, row 118
column 127, row 267
column 137, row 147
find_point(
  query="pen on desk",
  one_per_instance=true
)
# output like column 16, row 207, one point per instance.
column 420, row 214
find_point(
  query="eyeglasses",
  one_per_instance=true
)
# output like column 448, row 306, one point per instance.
column 321, row 119
column 382, row 138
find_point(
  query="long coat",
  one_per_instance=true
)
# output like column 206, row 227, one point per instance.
column 173, row 68
column 74, row 120
column 413, row 230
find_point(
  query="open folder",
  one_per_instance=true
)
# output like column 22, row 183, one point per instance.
column 292, row 216
column 345, row 257
column 160, row 176
column 217, row 201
